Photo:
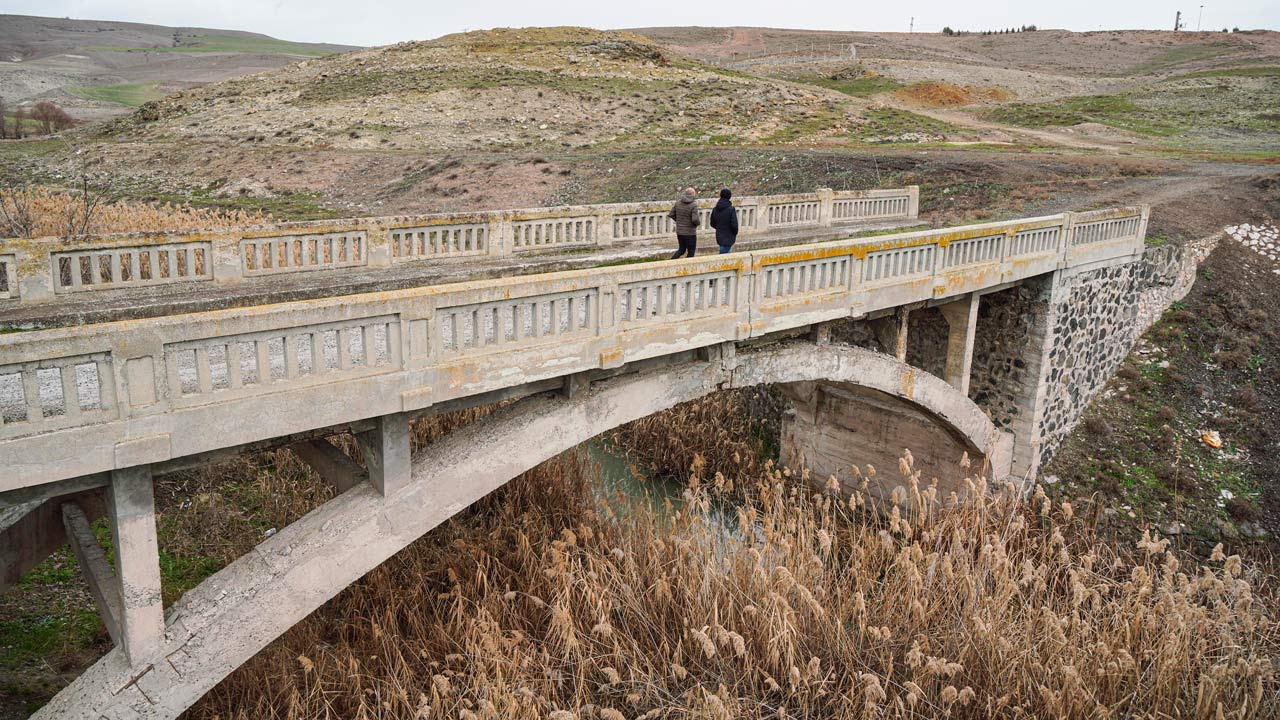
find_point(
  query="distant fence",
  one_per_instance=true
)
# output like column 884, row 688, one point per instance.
column 46, row 269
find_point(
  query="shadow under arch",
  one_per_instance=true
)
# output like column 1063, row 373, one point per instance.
column 228, row 618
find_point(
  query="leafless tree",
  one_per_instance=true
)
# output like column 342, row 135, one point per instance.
column 17, row 216
column 4, row 133
column 18, row 116
column 77, row 219
column 51, row 117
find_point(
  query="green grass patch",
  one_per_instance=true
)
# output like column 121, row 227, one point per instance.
column 882, row 124
column 1182, row 55
column 232, row 43
column 130, row 94
column 27, row 639
column 864, row 86
column 1115, row 111
column 1263, row 71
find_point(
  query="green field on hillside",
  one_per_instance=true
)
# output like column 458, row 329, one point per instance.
column 131, row 94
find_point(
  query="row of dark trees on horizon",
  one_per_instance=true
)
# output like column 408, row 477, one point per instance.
column 43, row 118
column 1024, row 28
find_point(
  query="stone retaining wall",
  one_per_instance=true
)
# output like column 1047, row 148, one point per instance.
column 1096, row 317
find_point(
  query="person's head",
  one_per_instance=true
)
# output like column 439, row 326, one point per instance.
column 726, row 193
column 690, row 191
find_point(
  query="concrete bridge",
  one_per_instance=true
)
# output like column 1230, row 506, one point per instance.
column 986, row 339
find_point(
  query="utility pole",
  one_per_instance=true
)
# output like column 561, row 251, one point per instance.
column 1199, row 17
column 1177, row 21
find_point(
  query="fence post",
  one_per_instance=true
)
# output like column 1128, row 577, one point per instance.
column 826, row 202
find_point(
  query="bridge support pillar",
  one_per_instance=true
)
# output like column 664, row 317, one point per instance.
column 891, row 332
column 386, row 453
column 962, row 320
column 132, row 510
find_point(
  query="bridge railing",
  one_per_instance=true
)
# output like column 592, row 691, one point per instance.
column 47, row 269
column 79, row 400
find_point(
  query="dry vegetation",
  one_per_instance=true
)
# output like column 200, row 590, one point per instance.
column 542, row 603
column 35, row 211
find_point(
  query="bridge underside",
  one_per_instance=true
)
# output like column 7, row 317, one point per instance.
column 223, row 622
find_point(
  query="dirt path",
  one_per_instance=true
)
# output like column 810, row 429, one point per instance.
column 1051, row 138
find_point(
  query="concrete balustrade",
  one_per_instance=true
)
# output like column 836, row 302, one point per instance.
column 44, row 269
column 82, row 400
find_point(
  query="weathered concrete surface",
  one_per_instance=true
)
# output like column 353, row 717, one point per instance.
column 132, row 510
column 224, row 621
column 277, row 370
column 833, row 428
column 113, row 277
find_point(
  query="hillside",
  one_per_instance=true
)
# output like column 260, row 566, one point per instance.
column 495, row 90
column 1098, row 90
column 99, row 69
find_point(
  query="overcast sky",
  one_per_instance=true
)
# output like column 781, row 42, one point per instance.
column 387, row 21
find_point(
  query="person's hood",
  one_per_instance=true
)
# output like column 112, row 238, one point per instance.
column 687, row 197
column 724, row 202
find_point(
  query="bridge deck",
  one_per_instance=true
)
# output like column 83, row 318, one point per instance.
column 158, row 300
column 81, row 400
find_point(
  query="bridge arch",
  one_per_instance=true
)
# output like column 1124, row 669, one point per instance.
column 228, row 618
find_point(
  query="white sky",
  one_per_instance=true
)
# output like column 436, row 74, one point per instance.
column 378, row 23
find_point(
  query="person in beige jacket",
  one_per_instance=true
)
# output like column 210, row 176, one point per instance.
column 685, row 213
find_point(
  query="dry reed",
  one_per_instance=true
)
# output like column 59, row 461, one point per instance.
column 51, row 211
column 538, row 603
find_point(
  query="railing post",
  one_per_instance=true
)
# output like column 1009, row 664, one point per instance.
column 228, row 267
column 131, row 507
column 1064, row 241
column 380, row 253
column 34, row 272
column 762, row 214
column 604, row 228
column 913, row 201
column 1141, row 242
column 826, row 202
column 501, row 235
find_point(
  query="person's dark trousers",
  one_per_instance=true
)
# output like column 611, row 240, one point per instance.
column 688, row 246
column 725, row 249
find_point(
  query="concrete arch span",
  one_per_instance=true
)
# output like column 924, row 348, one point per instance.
column 227, row 619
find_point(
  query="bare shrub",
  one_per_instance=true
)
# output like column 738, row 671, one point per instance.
column 19, row 210
column 51, row 117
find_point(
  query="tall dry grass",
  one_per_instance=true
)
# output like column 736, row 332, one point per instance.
column 537, row 603
column 730, row 429
column 50, row 212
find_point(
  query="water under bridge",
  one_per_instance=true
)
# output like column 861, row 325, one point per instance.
column 133, row 356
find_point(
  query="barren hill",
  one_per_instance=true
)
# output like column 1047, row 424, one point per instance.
column 100, row 69
column 492, row 90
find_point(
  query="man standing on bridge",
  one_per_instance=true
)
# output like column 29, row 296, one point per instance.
column 685, row 213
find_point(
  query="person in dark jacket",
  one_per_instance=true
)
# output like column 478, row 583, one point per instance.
column 724, row 218
column 685, row 213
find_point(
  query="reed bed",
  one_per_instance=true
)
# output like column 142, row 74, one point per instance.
column 542, row 602
column 39, row 211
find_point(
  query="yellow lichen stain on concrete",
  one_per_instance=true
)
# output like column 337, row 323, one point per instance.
column 611, row 357
column 909, row 382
